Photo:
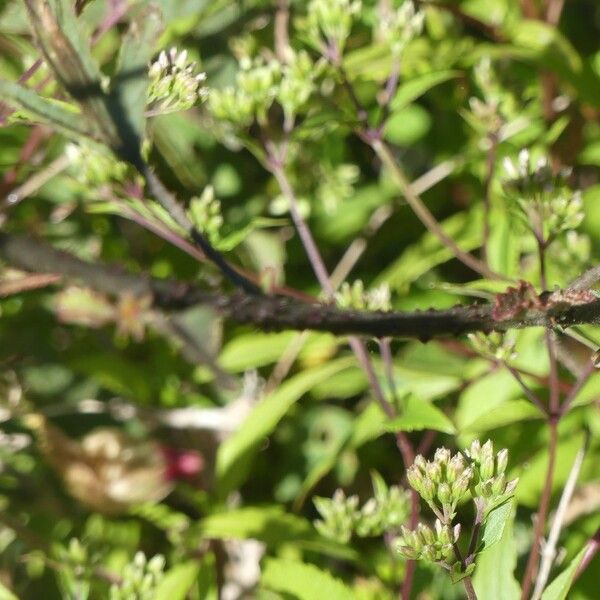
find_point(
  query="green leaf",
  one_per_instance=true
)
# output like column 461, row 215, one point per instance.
column 303, row 581
column 412, row 89
column 419, row 414
column 178, row 581
column 511, row 411
column 494, row 525
column 130, row 82
column 271, row 525
column 407, row 125
column 265, row 417
column 560, row 587
column 65, row 119
column 254, row 350
column 6, row 594
column 494, row 576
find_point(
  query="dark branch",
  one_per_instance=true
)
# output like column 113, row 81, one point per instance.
column 275, row 313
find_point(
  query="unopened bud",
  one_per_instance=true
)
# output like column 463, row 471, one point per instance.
column 455, row 468
column 442, row 455
column 499, row 485
column 445, row 493
column 501, row 461
column 433, row 471
column 511, row 486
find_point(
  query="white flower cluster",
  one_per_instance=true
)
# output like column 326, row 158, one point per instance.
column 174, row 83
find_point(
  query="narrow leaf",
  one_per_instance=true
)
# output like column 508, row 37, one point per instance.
column 265, row 417
column 130, row 83
column 42, row 109
column 414, row 88
column 560, row 587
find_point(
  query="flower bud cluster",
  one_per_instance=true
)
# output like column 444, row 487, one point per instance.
column 259, row 84
column 354, row 296
column 93, row 166
column 543, row 196
column 341, row 515
column 328, row 23
column 336, row 184
column 489, row 480
column 386, row 511
column 441, row 482
column 139, row 578
column 432, row 545
column 495, row 345
column 174, row 83
column 398, row 27
column 205, row 214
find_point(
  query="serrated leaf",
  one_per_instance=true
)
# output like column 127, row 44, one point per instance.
column 494, row 576
column 265, row 417
column 560, row 587
column 494, row 525
column 412, row 89
column 303, row 581
column 417, row 415
column 178, row 581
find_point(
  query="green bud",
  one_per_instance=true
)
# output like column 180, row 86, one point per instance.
column 501, row 461
column 442, row 456
column 455, row 468
column 433, row 472
column 429, row 553
column 461, row 484
column 415, row 477
column 425, row 534
column 511, row 486
column 428, row 490
column 499, row 485
column 444, row 493
column 447, row 552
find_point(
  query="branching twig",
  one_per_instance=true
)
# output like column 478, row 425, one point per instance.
column 276, row 313
column 424, row 214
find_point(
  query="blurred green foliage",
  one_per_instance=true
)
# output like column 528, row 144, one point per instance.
column 477, row 83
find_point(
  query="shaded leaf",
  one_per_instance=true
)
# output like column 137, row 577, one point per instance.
column 178, row 581
column 265, row 417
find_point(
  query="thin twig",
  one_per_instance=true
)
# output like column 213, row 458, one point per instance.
column 277, row 313
column 425, row 216
column 549, row 551
column 490, row 169
column 581, row 381
column 528, row 392
column 170, row 204
column 542, row 513
column 36, row 181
